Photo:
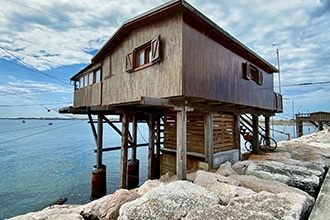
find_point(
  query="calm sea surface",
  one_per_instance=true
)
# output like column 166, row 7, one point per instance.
column 41, row 163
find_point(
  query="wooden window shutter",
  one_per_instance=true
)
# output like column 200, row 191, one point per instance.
column 155, row 49
column 129, row 62
column 248, row 71
column 260, row 78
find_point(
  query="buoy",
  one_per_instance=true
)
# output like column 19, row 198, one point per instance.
column 99, row 186
column 133, row 174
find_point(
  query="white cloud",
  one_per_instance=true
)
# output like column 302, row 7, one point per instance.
column 50, row 34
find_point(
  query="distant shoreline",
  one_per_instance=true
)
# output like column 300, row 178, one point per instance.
column 41, row 118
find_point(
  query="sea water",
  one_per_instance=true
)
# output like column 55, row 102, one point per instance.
column 44, row 160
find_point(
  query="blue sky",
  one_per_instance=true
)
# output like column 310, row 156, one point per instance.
column 44, row 43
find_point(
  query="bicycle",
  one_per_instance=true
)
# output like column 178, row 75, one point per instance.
column 265, row 145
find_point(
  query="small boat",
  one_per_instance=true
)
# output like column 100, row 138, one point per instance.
column 23, row 121
column 50, row 123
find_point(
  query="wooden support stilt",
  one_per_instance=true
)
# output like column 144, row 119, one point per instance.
column 208, row 132
column 92, row 126
column 181, row 139
column 238, row 134
column 151, row 147
column 124, row 150
column 133, row 163
column 255, row 127
column 267, row 130
column 99, row 186
column 320, row 126
column 134, row 134
column 99, row 141
column 299, row 128
column 156, row 163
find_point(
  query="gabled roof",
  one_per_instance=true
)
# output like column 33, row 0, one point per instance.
column 173, row 7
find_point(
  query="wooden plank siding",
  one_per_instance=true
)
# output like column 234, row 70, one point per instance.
column 162, row 79
column 88, row 96
column 223, row 131
column 212, row 71
column 195, row 131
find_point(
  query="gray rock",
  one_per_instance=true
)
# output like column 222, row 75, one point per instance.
column 224, row 187
column 171, row 201
column 121, row 196
column 264, row 205
column 149, row 185
column 226, row 170
column 258, row 185
column 55, row 212
column 296, row 174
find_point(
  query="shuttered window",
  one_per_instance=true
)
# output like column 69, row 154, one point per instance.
column 143, row 56
column 252, row 73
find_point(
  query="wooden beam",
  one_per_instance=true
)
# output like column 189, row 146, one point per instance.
column 208, row 132
column 134, row 133
column 181, row 139
column 237, row 134
column 255, row 128
column 124, row 151
column 111, row 124
column 99, row 141
column 93, row 127
column 151, row 147
column 267, row 130
column 155, row 101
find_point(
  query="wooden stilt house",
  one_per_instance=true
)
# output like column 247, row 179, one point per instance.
column 185, row 76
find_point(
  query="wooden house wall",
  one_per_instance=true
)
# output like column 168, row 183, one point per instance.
column 212, row 71
column 162, row 79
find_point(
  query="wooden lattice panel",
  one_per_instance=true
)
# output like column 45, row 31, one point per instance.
column 223, row 132
column 195, row 131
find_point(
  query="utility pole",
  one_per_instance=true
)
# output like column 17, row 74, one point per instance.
column 279, row 71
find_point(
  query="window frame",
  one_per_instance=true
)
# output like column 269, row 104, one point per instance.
column 151, row 55
column 89, row 78
column 252, row 73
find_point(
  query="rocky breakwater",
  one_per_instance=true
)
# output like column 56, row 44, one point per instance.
column 275, row 185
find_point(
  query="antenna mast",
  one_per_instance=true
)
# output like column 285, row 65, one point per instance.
column 279, row 71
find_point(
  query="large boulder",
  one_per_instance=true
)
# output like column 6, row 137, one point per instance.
column 311, row 148
column 306, row 178
column 264, row 205
column 121, row 196
column 258, row 185
column 171, row 201
column 225, row 169
column 224, row 187
column 149, row 185
column 55, row 212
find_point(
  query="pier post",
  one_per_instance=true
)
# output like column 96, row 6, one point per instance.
column 181, row 139
column 151, row 147
column 208, row 138
column 133, row 163
column 299, row 128
column 124, row 150
column 156, row 169
column 320, row 125
column 99, row 186
column 255, row 127
column 267, row 130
